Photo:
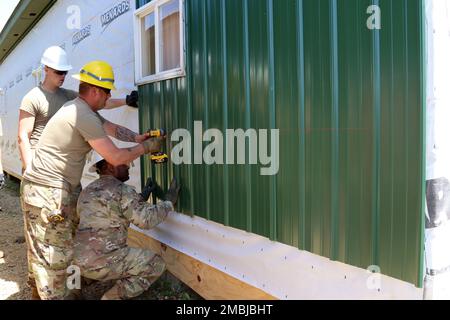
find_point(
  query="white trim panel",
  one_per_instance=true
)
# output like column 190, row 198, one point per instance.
column 280, row 270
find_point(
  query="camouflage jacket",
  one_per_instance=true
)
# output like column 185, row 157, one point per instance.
column 106, row 208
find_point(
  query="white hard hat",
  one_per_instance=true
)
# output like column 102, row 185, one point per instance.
column 56, row 58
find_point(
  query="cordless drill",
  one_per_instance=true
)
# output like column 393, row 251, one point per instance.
column 158, row 157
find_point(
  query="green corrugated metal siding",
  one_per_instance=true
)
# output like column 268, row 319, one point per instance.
column 349, row 105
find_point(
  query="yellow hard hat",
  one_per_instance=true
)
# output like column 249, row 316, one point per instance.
column 98, row 73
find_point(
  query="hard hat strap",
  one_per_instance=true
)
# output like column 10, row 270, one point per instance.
column 95, row 77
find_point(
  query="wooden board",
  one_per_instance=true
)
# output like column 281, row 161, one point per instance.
column 207, row 281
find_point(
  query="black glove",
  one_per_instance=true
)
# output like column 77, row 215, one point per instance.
column 152, row 187
column 148, row 189
column 2, row 181
column 132, row 99
column 172, row 193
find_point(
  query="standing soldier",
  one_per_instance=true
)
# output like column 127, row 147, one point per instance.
column 51, row 182
column 106, row 208
column 41, row 103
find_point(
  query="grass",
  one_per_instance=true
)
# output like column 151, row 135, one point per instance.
column 168, row 287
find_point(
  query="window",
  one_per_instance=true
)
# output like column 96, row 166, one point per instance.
column 159, row 41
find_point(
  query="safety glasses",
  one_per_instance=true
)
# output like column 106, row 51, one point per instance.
column 60, row 73
column 105, row 90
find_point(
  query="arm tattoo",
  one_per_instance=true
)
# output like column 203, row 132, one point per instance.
column 123, row 134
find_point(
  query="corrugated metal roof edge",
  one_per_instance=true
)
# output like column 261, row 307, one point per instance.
column 14, row 20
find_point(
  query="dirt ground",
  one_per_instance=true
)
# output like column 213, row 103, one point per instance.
column 13, row 261
column 13, row 264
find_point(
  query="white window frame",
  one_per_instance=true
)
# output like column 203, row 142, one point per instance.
column 139, row 14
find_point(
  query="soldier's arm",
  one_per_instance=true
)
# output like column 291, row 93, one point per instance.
column 114, row 155
column 130, row 100
column 122, row 133
column 110, row 103
column 143, row 214
column 115, row 103
column 26, row 124
column 117, row 156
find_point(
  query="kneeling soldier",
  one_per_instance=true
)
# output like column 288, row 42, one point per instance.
column 106, row 208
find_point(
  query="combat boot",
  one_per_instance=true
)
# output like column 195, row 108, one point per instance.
column 94, row 289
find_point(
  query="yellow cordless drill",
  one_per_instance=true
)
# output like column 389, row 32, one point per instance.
column 158, row 157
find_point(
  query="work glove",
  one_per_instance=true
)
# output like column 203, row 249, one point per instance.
column 158, row 192
column 172, row 193
column 153, row 145
column 2, row 181
column 152, row 187
column 148, row 189
column 132, row 99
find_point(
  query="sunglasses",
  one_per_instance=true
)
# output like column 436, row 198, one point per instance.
column 60, row 73
column 107, row 91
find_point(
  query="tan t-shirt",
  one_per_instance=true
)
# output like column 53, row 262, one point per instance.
column 61, row 152
column 43, row 105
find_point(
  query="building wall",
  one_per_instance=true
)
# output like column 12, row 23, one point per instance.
column 110, row 42
column 349, row 104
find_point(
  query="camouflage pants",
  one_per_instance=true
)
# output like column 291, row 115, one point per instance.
column 31, row 281
column 135, row 273
column 49, row 242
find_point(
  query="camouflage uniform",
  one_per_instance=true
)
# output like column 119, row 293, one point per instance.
column 106, row 208
column 31, row 282
column 49, row 241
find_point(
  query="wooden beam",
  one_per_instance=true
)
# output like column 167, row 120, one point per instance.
column 208, row 282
